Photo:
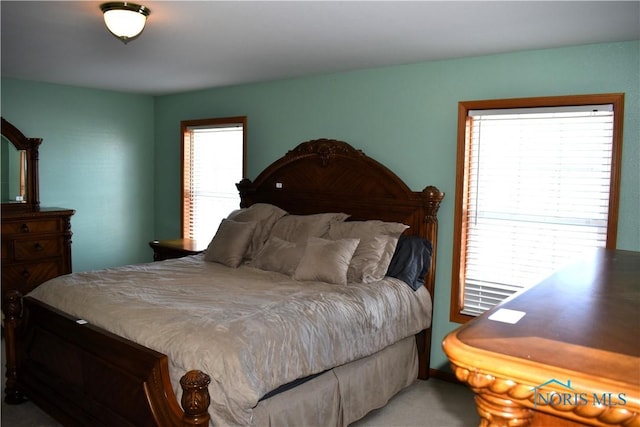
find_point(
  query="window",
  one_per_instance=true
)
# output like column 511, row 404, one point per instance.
column 537, row 184
column 213, row 161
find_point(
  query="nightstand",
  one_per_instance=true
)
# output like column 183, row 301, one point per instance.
column 176, row 248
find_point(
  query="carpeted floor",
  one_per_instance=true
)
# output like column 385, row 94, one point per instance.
column 432, row 403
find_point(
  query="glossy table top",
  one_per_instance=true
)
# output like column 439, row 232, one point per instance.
column 590, row 309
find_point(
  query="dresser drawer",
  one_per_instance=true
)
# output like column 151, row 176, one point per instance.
column 6, row 249
column 31, row 249
column 26, row 277
column 33, row 226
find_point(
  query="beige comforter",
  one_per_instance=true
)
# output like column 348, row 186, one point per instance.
column 249, row 329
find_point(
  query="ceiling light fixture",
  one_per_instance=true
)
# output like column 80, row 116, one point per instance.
column 125, row 20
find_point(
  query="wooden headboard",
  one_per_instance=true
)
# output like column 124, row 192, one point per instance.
column 326, row 175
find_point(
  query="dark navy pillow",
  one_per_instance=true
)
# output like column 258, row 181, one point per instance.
column 411, row 260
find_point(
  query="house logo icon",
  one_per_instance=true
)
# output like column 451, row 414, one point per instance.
column 553, row 397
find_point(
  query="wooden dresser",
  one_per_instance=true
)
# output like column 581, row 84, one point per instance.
column 36, row 247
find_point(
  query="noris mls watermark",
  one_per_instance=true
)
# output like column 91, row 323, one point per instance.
column 571, row 397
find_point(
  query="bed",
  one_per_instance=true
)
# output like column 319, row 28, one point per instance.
column 87, row 363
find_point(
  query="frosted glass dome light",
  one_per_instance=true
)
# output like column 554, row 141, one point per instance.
column 125, row 20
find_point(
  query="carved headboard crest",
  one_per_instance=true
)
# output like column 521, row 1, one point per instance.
column 326, row 149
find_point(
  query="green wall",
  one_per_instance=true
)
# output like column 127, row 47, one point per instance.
column 405, row 117
column 96, row 157
column 115, row 157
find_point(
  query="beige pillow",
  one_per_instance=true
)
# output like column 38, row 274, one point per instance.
column 279, row 255
column 378, row 241
column 230, row 243
column 299, row 228
column 371, row 253
column 265, row 215
column 326, row 260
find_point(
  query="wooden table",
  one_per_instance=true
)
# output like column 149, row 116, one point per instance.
column 572, row 359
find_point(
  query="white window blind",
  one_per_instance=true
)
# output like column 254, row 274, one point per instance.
column 538, row 195
column 213, row 165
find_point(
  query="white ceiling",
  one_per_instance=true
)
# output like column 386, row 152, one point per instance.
column 202, row 44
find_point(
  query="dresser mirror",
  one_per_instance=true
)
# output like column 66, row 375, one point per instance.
column 19, row 188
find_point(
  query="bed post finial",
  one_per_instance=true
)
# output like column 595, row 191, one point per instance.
column 195, row 398
column 12, row 306
column 244, row 189
column 434, row 197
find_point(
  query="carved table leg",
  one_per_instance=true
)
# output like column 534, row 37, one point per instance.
column 195, row 398
column 12, row 310
column 496, row 411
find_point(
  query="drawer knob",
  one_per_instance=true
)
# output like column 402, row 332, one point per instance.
column 38, row 247
column 24, row 228
column 25, row 273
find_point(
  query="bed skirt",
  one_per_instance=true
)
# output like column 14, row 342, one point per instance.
column 346, row 393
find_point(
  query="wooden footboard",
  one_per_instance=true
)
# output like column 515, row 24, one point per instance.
column 84, row 375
